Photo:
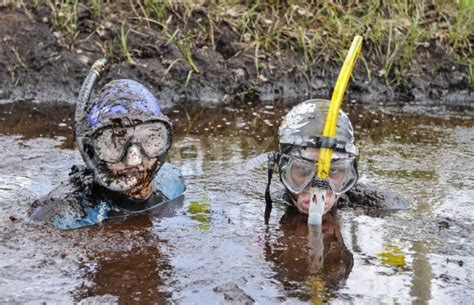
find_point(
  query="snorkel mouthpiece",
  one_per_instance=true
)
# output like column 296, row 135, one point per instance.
column 316, row 206
column 318, row 199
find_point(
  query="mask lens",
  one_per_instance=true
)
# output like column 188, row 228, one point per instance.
column 110, row 144
column 297, row 174
column 153, row 138
column 342, row 175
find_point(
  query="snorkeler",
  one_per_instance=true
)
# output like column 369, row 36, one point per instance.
column 123, row 138
column 300, row 141
column 317, row 156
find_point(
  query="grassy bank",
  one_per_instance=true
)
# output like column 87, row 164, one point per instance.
column 395, row 32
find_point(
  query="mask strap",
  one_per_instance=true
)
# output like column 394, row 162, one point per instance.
column 268, row 197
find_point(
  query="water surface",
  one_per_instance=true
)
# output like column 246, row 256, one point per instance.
column 214, row 246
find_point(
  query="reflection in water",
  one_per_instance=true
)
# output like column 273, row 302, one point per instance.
column 133, row 274
column 312, row 262
column 32, row 121
column 422, row 274
column 137, row 275
column 354, row 240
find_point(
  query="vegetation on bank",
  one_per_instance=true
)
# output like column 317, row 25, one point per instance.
column 395, row 32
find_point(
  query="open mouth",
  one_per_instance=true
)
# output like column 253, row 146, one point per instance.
column 131, row 172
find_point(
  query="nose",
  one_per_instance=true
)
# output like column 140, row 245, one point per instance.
column 133, row 156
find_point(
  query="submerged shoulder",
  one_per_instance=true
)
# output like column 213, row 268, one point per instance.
column 169, row 181
column 374, row 197
column 62, row 200
column 67, row 205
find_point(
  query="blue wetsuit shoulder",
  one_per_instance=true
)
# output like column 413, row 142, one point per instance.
column 169, row 181
column 69, row 207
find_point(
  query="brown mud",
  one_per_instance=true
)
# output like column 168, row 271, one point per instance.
column 214, row 246
column 36, row 66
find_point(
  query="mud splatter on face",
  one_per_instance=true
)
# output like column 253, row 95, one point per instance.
column 133, row 181
column 116, row 111
column 145, row 187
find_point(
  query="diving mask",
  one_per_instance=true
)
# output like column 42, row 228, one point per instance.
column 110, row 143
column 298, row 173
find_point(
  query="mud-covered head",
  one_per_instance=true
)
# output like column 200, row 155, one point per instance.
column 125, row 137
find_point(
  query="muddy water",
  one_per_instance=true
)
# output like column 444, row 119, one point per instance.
column 214, row 248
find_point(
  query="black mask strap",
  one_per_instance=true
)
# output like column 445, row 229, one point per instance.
column 268, row 197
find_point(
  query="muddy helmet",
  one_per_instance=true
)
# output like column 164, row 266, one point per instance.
column 304, row 124
column 125, row 102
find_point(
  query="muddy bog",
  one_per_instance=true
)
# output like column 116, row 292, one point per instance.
column 213, row 247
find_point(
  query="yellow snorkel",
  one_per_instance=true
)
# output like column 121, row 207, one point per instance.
column 325, row 155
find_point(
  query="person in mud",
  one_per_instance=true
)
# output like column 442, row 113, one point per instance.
column 315, row 255
column 300, row 140
column 123, row 138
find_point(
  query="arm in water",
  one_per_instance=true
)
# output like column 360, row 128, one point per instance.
column 372, row 197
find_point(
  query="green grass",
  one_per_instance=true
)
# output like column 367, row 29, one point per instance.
column 124, row 44
column 19, row 61
column 185, row 44
column 96, row 8
column 64, row 15
column 320, row 31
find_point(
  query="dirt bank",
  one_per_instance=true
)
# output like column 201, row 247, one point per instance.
column 37, row 64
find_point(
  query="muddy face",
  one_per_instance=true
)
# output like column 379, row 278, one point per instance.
column 132, row 176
